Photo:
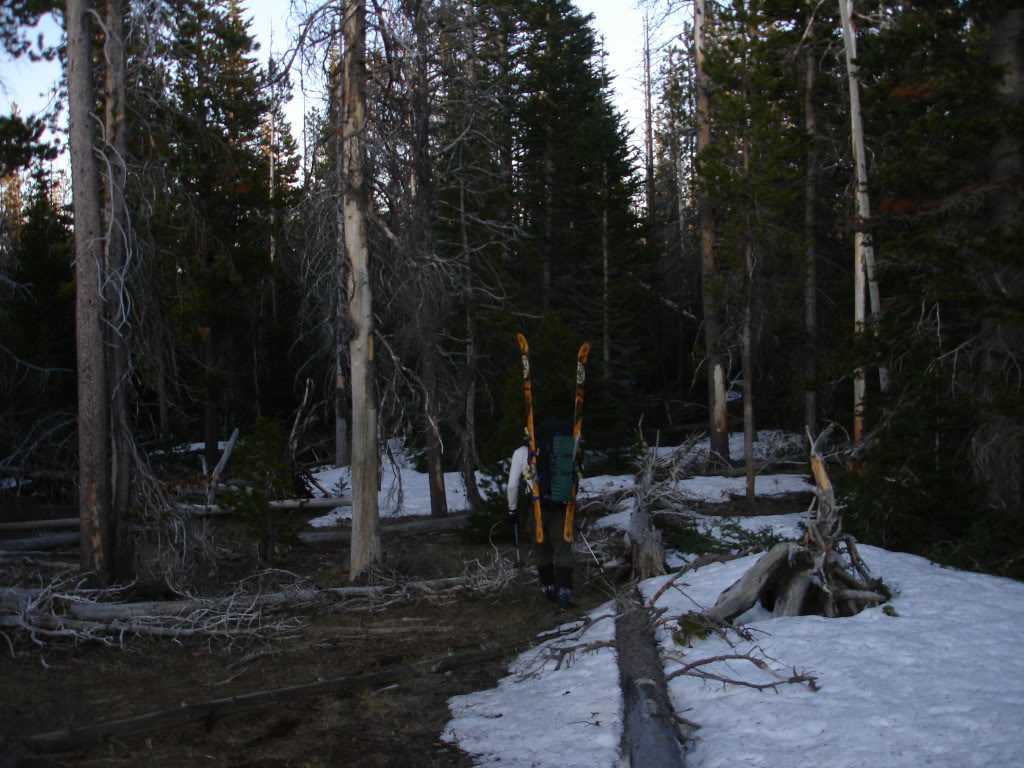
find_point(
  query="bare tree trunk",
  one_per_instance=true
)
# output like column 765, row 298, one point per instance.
column 719, row 418
column 648, row 124
column 748, row 378
column 547, row 246
column 468, row 460
column 342, row 448
column 811, row 267
column 421, row 203
column 746, row 352
column 606, row 333
column 431, row 412
column 97, row 540
column 117, row 244
column 864, row 256
column 366, row 548
column 213, row 389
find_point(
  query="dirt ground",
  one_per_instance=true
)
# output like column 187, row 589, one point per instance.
column 394, row 725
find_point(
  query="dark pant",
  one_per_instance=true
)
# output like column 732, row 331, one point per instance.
column 553, row 556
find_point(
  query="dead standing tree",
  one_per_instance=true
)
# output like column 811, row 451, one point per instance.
column 822, row 574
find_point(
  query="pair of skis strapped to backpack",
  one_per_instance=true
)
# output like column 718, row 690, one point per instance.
column 577, row 429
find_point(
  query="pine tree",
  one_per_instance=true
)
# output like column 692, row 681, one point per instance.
column 943, row 473
column 223, row 172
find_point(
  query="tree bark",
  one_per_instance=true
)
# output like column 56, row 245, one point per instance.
column 468, row 460
column 97, row 534
column 648, row 125
column 431, row 413
column 747, row 342
column 649, row 735
column 366, row 548
column 864, row 255
column 342, row 446
column 118, row 243
column 748, row 381
column 719, row 416
column 811, row 266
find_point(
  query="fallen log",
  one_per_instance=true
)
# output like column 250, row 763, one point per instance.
column 197, row 510
column 212, row 510
column 209, row 712
column 32, row 525
column 739, row 597
column 649, row 735
column 16, row 599
column 39, row 543
column 427, row 525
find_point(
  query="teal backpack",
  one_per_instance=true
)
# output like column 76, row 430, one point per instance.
column 556, row 461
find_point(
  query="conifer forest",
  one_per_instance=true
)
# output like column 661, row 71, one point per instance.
column 819, row 223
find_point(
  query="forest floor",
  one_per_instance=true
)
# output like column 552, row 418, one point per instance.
column 66, row 685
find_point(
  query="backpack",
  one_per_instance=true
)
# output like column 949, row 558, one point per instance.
column 556, row 461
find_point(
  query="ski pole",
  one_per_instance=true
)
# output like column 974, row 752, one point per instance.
column 589, row 548
column 515, row 535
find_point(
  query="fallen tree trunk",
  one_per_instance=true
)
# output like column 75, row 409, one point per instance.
column 39, row 543
column 452, row 522
column 32, row 525
column 742, row 595
column 649, row 734
column 209, row 712
column 213, row 510
column 17, row 599
column 195, row 510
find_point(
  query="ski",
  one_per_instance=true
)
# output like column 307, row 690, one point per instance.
column 577, row 432
column 524, row 349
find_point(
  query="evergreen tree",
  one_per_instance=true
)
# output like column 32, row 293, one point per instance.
column 38, row 355
column 213, row 235
column 943, row 472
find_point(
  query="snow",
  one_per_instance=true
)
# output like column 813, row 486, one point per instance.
column 404, row 493
column 938, row 683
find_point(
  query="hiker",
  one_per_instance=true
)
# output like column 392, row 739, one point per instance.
column 556, row 470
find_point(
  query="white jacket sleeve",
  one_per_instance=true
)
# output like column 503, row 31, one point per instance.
column 515, row 474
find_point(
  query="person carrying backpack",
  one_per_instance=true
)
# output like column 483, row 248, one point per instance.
column 557, row 470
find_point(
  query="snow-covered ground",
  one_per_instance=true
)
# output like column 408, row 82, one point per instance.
column 933, row 678
column 939, row 683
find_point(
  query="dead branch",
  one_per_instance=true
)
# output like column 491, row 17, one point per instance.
column 565, row 645
column 297, row 424
column 693, row 669
column 211, row 487
column 566, row 653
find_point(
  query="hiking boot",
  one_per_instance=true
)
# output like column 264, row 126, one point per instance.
column 550, row 592
column 565, row 598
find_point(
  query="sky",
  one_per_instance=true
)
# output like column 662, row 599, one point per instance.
column 934, row 677
column 617, row 21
